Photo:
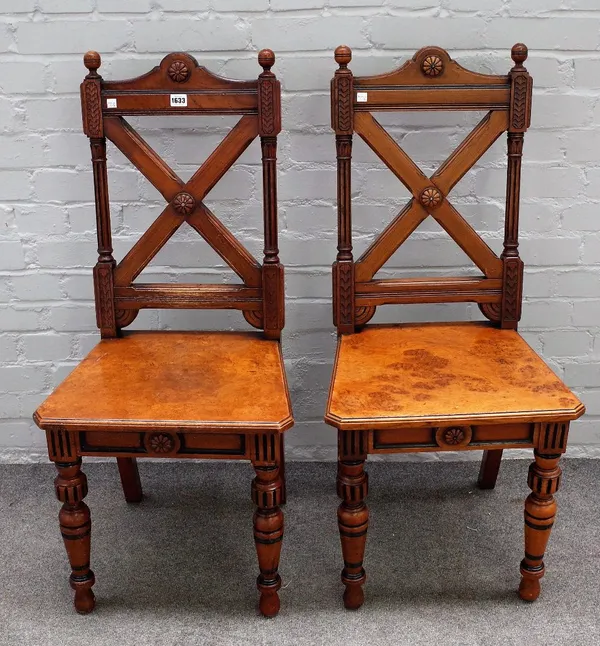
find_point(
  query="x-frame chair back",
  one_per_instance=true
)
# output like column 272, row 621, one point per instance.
column 430, row 81
column 180, row 86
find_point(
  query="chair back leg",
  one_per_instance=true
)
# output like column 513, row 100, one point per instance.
column 130, row 479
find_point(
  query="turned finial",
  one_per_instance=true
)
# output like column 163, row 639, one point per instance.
column 266, row 59
column 92, row 61
column 343, row 55
column 519, row 54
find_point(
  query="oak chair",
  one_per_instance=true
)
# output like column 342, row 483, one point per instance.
column 438, row 387
column 219, row 395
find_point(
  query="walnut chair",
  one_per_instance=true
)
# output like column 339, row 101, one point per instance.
column 220, row 395
column 438, row 387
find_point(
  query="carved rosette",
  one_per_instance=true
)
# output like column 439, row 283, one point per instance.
column 184, row 203
column 453, row 437
column 161, row 444
column 430, row 197
column 432, row 65
column 178, row 72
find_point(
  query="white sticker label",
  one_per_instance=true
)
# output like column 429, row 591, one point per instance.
column 361, row 97
column 111, row 103
column 179, row 100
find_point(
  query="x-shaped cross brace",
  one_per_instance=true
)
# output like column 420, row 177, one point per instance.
column 184, row 200
column 429, row 194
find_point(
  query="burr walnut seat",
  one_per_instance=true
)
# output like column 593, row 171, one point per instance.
column 217, row 395
column 419, row 375
column 206, row 382
column 438, row 387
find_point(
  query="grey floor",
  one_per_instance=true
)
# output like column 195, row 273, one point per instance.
column 442, row 560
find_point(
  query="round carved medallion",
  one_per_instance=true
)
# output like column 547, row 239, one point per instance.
column 454, row 436
column 430, row 197
column 178, row 72
column 161, row 443
column 432, row 65
column 184, row 203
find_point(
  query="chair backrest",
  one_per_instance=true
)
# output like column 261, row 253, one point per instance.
column 430, row 81
column 179, row 86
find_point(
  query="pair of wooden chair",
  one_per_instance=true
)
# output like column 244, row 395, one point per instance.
column 399, row 388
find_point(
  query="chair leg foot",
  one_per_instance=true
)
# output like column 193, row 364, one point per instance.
column 269, row 602
column 354, row 597
column 130, row 479
column 529, row 589
column 490, row 465
column 85, row 601
column 540, row 512
column 75, row 526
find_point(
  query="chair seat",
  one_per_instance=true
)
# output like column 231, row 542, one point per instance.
column 423, row 374
column 189, row 381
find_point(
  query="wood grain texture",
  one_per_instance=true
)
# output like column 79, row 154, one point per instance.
column 189, row 381
column 420, row 374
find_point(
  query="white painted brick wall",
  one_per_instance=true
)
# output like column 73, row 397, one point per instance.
column 47, row 243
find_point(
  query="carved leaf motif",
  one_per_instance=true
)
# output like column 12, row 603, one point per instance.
column 267, row 113
column 511, row 291
column 104, row 293
column 93, row 109
column 520, row 102
column 346, row 292
column 344, row 103
column 271, row 286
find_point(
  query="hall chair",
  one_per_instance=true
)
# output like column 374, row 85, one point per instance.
column 432, row 386
column 159, row 394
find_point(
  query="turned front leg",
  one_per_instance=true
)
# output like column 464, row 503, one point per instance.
column 75, row 526
column 353, row 514
column 267, row 492
column 540, row 511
